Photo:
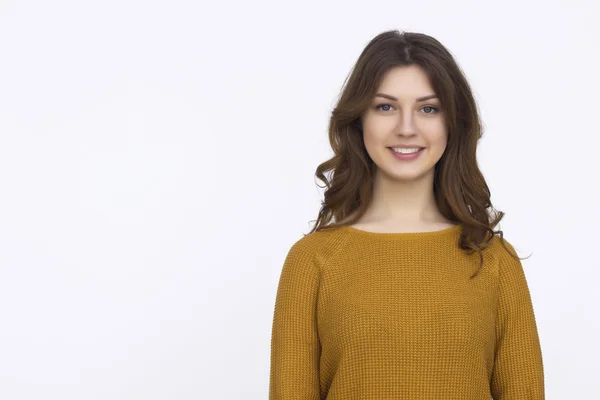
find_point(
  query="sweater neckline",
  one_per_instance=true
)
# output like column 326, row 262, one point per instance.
column 403, row 235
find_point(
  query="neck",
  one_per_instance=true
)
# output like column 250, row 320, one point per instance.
column 407, row 201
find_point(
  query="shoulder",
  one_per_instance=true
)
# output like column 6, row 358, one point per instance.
column 502, row 248
column 317, row 247
column 506, row 257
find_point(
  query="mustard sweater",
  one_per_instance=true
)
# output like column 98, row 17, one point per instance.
column 379, row 316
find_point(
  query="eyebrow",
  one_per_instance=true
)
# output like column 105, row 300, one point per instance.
column 387, row 96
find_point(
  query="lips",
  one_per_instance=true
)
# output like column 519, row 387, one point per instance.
column 407, row 156
column 415, row 147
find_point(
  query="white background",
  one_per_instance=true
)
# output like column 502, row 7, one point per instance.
column 157, row 161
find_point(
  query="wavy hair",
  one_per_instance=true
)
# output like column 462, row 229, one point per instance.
column 461, row 192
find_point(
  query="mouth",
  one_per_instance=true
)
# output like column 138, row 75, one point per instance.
column 416, row 147
column 407, row 156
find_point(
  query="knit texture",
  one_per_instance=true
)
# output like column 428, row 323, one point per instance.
column 379, row 316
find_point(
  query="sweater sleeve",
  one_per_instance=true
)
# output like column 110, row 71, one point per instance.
column 518, row 372
column 295, row 346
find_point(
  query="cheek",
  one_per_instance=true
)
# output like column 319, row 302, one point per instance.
column 434, row 127
column 375, row 145
column 440, row 139
column 438, row 145
column 369, row 142
column 436, row 133
column 372, row 137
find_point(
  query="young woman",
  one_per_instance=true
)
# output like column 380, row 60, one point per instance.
column 403, row 290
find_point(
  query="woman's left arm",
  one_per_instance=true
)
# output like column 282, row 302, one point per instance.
column 518, row 372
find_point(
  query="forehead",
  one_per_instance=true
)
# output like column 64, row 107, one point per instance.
column 406, row 82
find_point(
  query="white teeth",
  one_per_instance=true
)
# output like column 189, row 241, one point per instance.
column 406, row 151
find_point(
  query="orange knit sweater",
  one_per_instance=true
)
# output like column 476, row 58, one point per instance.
column 380, row 316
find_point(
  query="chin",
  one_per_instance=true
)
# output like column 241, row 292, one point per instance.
column 406, row 175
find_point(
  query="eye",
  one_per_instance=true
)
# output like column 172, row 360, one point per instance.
column 433, row 108
column 382, row 105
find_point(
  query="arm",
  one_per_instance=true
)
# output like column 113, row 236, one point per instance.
column 518, row 372
column 295, row 346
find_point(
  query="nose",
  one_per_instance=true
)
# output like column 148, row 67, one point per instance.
column 406, row 123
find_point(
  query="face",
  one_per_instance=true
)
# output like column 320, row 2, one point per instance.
column 405, row 120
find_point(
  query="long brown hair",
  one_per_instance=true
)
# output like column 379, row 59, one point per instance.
column 461, row 192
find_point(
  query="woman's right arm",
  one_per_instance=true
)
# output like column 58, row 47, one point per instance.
column 295, row 346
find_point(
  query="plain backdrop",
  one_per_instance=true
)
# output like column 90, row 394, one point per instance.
column 157, row 162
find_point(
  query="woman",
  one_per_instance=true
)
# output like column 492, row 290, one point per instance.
column 408, row 293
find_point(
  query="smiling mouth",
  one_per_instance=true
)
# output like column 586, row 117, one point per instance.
column 416, row 147
column 407, row 156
